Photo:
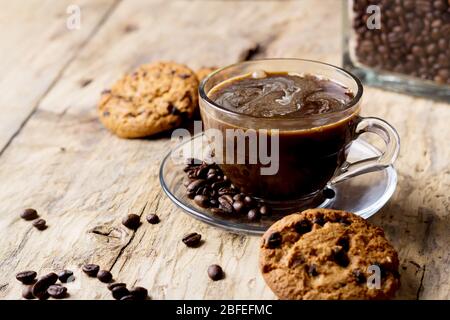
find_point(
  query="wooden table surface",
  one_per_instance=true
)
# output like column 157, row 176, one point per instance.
column 56, row 157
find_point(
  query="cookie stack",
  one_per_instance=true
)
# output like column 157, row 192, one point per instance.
column 155, row 98
column 328, row 254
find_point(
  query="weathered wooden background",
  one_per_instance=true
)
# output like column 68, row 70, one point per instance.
column 56, row 157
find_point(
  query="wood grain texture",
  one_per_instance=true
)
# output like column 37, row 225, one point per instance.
column 83, row 180
column 35, row 47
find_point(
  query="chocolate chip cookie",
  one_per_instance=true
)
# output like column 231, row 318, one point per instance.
column 328, row 254
column 203, row 72
column 155, row 98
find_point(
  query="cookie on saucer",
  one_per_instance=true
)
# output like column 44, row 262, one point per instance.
column 328, row 254
column 155, row 98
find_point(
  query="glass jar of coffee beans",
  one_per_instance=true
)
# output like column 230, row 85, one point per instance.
column 403, row 45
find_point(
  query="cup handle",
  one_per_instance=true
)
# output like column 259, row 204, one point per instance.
column 390, row 137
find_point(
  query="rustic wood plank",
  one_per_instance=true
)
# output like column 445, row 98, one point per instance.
column 83, row 180
column 36, row 47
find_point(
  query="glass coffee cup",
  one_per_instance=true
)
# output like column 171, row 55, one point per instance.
column 311, row 150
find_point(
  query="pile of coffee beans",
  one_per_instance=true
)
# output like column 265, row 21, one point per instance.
column 30, row 215
column 44, row 287
column 118, row 290
column 210, row 188
column 414, row 38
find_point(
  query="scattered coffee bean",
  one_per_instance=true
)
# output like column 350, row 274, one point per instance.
column 253, row 215
column 131, row 221
column 29, row 214
column 41, row 286
column 26, row 277
column 27, row 293
column 66, row 276
column 192, row 240
column 139, row 293
column 328, row 193
column 57, row 291
column 153, row 218
column 104, row 276
column 119, row 292
column 91, row 269
column 40, row 224
column 274, row 240
column 215, row 272
column 115, row 285
column 202, row 201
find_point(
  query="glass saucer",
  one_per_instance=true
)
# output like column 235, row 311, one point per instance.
column 364, row 195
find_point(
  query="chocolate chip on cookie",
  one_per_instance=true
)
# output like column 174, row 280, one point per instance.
column 327, row 254
column 155, row 98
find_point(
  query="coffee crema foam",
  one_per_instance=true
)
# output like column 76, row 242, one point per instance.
column 280, row 94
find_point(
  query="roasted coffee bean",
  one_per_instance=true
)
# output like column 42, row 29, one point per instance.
column 225, row 205
column 131, row 221
column 29, row 214
column 253, row 215
column 139, row 293
column 194, row 185
column 227, row 191
column 152, row 218
column 312, row 270
column 66, row 276
column 218, row 211
column 359, row 276
column 213, row 202
column 328, row 193
column 202, row 201
column 104, row 276
column 303, row 226
column 57, row 291
column 120, row 292
column 274, row 240
column 192, row 240
column 412, row 29
column 91, row 269
column 215, row 272
column 238, row 197
column 190, row 195
column 127, row 297
column 248, row 201
column 27, row 293
column 26, row 277
column 202, row 171
column 40, row 224
column 264, row 210
column 41, row 286
column 219, row 184
column 115, row 285
column 238, row 206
